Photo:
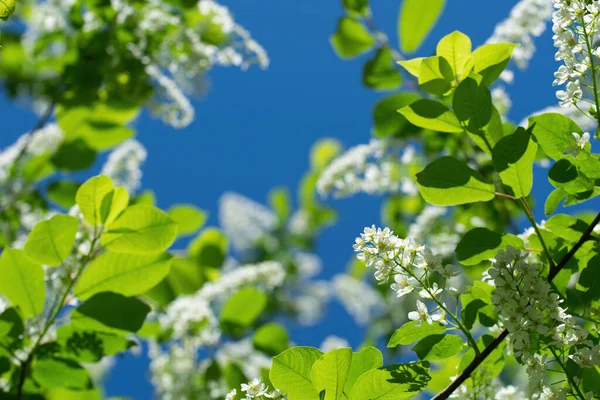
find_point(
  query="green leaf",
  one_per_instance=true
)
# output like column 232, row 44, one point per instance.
column 110, row 312
column 564, row 174
column 393, row 382
column 359, row 6
column 73, row 155
column 90, row 196
column 513, row 158
column 126, row 274
column 329, row 373
column 379, row 72
column 140, row 229
column 209, row 248
column 11, row 332
column 66, row 394
column 189, row 218
column 51, row 241
column 456, row 49
column 447, row 182
column 351, row 38
column 271, row 339
column 410, row 333
column 480, row 244
column 477, row 305
column 7, row 7
column 490, row 60
column 436, row 76
column 413, row 66
column 438, row 347
column 416, row 20
column 566, row 227
column 472, row 104
column 90, row 346
column 290, row 372
column 589, row 280
column 362, row 361
column 60, row 373
column 553, row 133
column 22, row 281
column 323, row 152
column 280, row 202
column 387, row 121
column 113, row 204
column 63, row 193
column 430, row 114
column 553, row 200
column 243, row 308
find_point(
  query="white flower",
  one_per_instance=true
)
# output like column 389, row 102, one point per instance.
column 431, row 293
column 421, row 314
column 358, row 298
column 254, row 388
column 231, row 395
column 440, row 316
column 123, row 165
column 404, row 284
column 582, row 139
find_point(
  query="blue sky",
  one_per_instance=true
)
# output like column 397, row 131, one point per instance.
column 254, row 129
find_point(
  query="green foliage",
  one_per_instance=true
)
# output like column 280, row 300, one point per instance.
column 416, row 20
column 126, row 274
column 456, row 49
column 490, row 60
column 438, row 347
column 22, row 281
column 379, row 72
column 365, row 360
column 51, row 241
column 60, row 373
column 430, row 114
column 386, row 119
column 189, row 218
column 271, row 338
column 329, row 373
column 513, row 158
column 291, row 372
column 90, row 198
column 7, row 7
column 63, row 193
column 410, row 332
column 397, row 382
column 243, row 308
column 351, row 38
column 140, row 229
column 480, row 244
column 447, row 181
column 436, row 75
column 472, row 104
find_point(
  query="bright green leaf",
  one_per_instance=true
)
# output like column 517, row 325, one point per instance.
column 60, row 373
column 188, row 218
column 456, row 49
column 271, row 338
column 553, row 133
column 7, row 7
column 113, row 204
column 416, row 20
column 553, row 200
column 490, row 60
column 436, row 76
column 393, row 382
column 472, row 104
column 209, row 248
column 387, row 121
column 513, row 158
column 290, row 372
column 140, row 229
column 362, row 361
column 438, row 347
column 51, row 241
column 243, row 308
column 351, row 38
column 447, row 181
column 359, row 6
column 410, row 333
column 329, row 373
column 90, row 197
column 127, row 274
column 564, row 174
column 22, row 281
column 430, row 114
column 63, row 193
column 413, row 66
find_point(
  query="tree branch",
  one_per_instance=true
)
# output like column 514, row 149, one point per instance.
column 444, row 394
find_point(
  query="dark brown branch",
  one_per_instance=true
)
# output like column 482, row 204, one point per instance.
column 444, row 394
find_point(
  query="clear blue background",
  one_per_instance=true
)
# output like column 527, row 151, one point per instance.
column 253, row 130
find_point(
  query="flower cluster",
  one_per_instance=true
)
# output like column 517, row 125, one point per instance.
column 245, row 221
column 367, row 168
column 362, row 308
column 527, row 20
column 439, row 234
column 528, row 308
column 575, row 25
column 255, row 389
column 123, row 165
column 411, row 266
